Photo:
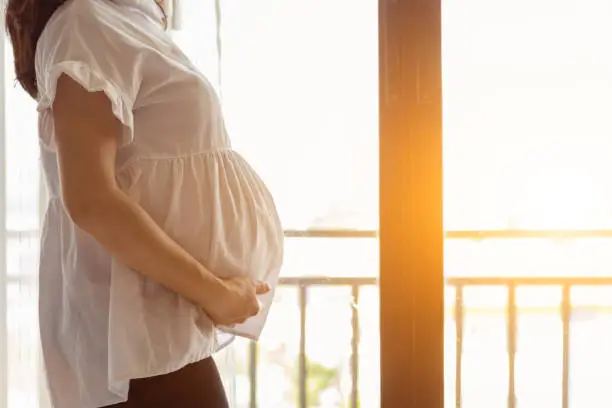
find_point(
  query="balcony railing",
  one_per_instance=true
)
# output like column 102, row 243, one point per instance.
column 303, row 285
column 459, row 284
column 511, row 285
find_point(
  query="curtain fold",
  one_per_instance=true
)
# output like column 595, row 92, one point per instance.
column 173, row 11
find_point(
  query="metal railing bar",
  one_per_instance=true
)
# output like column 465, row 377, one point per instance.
column 253, row 373
column 355, row 347
column 566, row 310
column 461, row 234
column 303, row 369
column 331, row 281
column 521, row 234
column 530, row 281
column 459, row 344
column 456, row 281
column 331, row 233
column 511, row 345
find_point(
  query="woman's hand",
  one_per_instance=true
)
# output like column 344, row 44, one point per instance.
column 235, row 301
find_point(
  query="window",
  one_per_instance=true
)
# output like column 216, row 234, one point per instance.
column 527, row 148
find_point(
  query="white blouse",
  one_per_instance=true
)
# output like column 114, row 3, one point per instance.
column 101, row 323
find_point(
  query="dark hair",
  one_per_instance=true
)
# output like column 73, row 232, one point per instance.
column 25, row 22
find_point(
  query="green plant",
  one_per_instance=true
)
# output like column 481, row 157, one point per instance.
column 318, row 379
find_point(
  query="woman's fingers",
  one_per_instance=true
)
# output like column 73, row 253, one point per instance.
column 242, row 302
column 261, row 288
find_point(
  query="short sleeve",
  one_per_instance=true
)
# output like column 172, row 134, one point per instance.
column 87, row 45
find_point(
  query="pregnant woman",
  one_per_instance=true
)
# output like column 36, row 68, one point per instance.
column 160, row 243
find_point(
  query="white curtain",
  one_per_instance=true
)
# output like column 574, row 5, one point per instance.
column 21, row 201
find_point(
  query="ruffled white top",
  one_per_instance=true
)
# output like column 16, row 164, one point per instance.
column 103, row 324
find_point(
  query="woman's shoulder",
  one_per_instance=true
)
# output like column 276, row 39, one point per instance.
column 85, row 19
column 73, row 13
column 86, row 30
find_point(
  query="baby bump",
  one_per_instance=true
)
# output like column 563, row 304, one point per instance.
column 247, row 237
column 216, row 207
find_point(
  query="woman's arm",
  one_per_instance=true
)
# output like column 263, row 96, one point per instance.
column 86, row 134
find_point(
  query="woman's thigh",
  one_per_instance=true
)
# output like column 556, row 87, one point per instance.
column 197, row 385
